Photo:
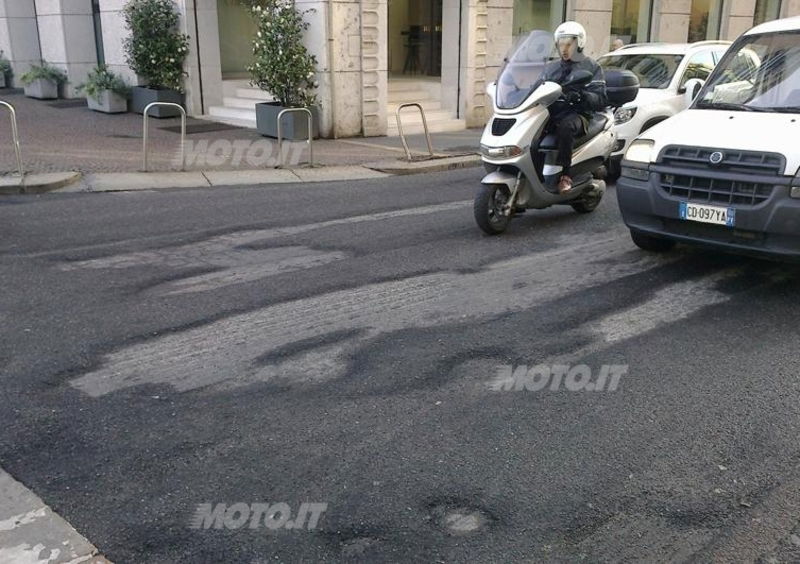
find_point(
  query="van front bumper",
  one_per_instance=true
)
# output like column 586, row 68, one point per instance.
column 769, row 228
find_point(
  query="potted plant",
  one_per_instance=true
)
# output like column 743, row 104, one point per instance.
column 5, row 70
column 155, row 50
column 105, row 91
column 42, row 81
column 283, row 67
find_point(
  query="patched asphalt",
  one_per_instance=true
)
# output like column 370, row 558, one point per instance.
column 338, row 343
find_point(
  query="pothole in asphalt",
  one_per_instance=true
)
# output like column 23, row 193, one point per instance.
column 459, row 518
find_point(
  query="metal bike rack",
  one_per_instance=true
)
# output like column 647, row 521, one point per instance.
column 424, row 124
column 183, row 132
column 310, row 134
column 15, row 136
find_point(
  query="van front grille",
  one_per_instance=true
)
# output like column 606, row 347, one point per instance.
column 715, row 190
column 747, row 162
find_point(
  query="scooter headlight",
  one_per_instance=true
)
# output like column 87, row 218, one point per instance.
column 624, row 115
column 506, row 152
column 640, row 151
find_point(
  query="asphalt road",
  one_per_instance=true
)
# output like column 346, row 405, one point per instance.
column 345, row 344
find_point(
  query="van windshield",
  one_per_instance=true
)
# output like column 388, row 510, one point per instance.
column 758, row 73
column 654, row 71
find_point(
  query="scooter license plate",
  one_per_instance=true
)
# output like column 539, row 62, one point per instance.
column 708, row 214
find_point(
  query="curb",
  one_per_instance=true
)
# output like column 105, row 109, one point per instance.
column 437, row 164
column 38, row 183
column 134, row 181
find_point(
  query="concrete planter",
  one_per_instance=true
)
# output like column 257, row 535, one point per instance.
column 141, row 96
column 42, row 89
column 2, row 80
column 108, row 102
column 295, row 124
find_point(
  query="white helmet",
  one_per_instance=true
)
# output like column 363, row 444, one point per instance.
column 571, row 29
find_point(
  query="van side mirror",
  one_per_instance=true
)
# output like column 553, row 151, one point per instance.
column 691, row 89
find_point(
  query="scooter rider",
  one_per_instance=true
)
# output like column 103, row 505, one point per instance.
column 569, row 116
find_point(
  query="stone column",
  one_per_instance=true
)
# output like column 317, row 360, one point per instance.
column 115, row 32
column 739, row 18
column 595, row 16
column 19, row 36
column 66, row 32
column 203, row 83
column 790, row 8
column 671, row 20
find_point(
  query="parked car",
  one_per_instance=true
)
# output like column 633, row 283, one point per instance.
column 725, row 172
column 663, row 71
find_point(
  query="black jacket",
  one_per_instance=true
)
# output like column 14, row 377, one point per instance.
column 593, row 95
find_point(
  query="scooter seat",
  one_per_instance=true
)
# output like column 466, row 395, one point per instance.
column 596, row 125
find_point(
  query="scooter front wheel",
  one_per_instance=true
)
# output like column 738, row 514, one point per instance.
column 488, row 208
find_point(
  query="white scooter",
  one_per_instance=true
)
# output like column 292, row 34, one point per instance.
column 518, row 153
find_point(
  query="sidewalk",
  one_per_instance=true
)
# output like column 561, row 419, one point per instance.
column 59, row 136
column 30, row 532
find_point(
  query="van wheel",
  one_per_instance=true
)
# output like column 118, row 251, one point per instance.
column 650, row 243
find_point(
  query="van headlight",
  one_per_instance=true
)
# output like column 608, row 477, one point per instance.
column 624, row 115
column 640, row 151
column 506, row 152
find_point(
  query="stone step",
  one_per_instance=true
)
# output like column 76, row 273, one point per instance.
column 243, row 103
column 411, row 96
column 243, row 115
column 254, row 93
column 428, row 106
column 412, row 115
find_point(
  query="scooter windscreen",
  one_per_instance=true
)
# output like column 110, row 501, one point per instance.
column 522, row 68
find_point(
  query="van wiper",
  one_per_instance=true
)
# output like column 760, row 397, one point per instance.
column 786, row 110
column 729, row 106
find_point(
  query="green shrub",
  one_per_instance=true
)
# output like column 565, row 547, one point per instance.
column 45, row 71
column 101, row 79
column 5, row 64
column 282, row 65
column 155, row 49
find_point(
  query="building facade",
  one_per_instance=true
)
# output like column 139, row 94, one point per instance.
column 372, row 54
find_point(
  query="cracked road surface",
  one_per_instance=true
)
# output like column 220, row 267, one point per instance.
column 339, row 344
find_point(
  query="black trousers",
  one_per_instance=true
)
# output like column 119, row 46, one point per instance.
column 568, row 127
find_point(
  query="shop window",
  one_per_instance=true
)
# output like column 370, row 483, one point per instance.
column 630, row 20
column 766, row 10
column 705, row 20
column 537, row 14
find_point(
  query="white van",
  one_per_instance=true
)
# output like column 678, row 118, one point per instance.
column 725, row 172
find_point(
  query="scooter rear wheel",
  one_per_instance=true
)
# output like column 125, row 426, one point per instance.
column 587, row 204
column 488, row 208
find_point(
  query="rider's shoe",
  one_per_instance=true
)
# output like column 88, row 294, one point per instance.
column 565, row 185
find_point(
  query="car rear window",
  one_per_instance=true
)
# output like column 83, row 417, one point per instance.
column 654, row 71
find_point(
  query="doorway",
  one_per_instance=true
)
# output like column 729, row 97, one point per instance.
column 415, row 38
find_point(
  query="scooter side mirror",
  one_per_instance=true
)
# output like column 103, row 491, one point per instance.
column 577, row 79
column 691, row 89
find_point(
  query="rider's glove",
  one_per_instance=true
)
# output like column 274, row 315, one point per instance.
column 572, row 97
